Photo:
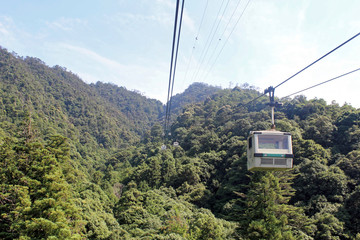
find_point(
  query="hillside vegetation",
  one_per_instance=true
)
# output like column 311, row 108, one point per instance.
column 80, row 161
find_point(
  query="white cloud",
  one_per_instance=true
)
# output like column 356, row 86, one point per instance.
column 93, row 67
column 188, row 22
column 3, row 30
column 166, row 3
column 147, row 12
column 162, row 12
column 6, row 27
column 88, row 54
column 66, row 24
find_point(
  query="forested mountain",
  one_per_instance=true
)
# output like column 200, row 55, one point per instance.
column 81, row 161
column 196, row 92
column 137, row 108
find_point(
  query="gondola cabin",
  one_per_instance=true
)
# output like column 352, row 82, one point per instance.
column 269, row 150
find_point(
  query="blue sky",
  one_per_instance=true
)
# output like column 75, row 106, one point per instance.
column 128, row 42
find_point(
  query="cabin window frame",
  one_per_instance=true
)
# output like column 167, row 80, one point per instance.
column 273, row 142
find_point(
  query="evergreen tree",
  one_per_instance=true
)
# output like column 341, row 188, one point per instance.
column 37, row 200
column 268, row 215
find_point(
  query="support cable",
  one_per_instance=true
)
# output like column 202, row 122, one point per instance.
column 356, row 35
column 303, row 90
column 318, row 59
column 221, row 36
column 196, row 39
column 197, row 69
column 316, row 85
column 212, row 38
column 176, row 55
column 227, row 39
column 171, row 64
column 251, row 101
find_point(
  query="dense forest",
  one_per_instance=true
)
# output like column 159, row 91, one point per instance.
column 84, row 161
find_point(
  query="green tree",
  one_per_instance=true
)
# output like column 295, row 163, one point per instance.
column 268, row 215
column 38, row 202
column 352, row 205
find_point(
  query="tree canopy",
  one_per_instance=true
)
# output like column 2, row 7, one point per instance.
column 85, row 161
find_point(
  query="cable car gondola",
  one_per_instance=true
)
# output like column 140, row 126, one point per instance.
column 269, row 150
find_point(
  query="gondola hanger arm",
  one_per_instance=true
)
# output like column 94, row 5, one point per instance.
column 272, row 104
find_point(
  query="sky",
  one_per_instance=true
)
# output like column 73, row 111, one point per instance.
column 223, row 43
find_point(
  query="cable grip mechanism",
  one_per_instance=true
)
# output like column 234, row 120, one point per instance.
column 272, row 104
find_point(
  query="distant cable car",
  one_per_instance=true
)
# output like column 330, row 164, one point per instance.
column 269, row 150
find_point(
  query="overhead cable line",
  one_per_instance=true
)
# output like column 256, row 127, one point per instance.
column 196, row 39
column 176, row 55
column 316, row 85
column 202, row 19
column 303, row 90
column 222, row 34
column 207, row 41
column 253, row 100
column 212, row 38
column 173, row 62
column 273, row 88
column 227, row 39
column 318, row 59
